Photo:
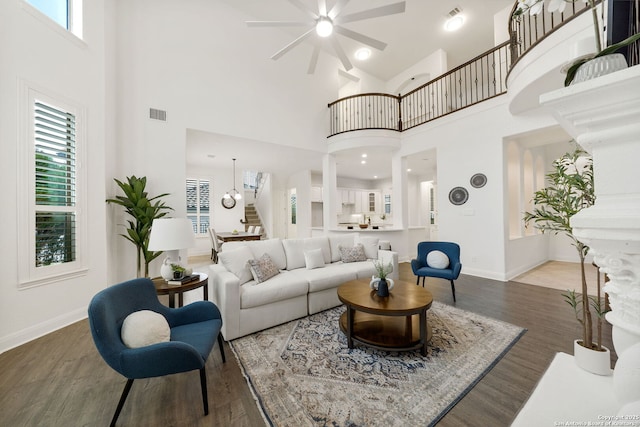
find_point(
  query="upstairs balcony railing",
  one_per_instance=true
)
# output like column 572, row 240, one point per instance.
column 482, row 78
column 527, row 31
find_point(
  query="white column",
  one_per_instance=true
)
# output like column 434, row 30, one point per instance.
column 603, row 115
column 329, row 192
column 399, row 183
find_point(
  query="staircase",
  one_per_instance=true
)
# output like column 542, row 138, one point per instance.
column 251, row 217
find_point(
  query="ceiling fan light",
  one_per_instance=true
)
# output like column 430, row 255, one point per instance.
column 324, row 27
column 454, row 23
column 363, row 54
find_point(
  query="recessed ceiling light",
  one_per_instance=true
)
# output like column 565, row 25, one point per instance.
column 363, row 162
column 455, row 20
column 375, row 176
column 364, row 155
column 409, row 170
column 211, row 156
column 362, row 54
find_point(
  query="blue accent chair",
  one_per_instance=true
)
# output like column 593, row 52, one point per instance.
column 451, row 273
column 194, row 330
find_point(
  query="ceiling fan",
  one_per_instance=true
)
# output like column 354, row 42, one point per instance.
column 324, row 23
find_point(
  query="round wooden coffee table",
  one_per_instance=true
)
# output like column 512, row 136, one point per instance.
column 397, row 322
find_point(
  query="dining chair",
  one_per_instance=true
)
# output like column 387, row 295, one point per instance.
column 257, row 230
column 188, row 335
column 216, row 245
column 251, row 229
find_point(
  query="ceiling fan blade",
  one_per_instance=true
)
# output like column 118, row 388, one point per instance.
column 314, row 60
column 322, row 7
column 304, row 8
column 277, row 23
column 376, row 12
column 340, row 52
column 337, row 8
column 293, row 44
column 377, row 44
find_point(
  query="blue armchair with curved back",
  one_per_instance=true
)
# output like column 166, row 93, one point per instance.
column 451, row 272
column 194, row 329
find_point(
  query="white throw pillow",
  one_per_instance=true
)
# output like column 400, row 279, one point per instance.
column 313, row 258
column 143, row 328
column 294, row 249
column 236, row 262
column 370, row 246
column 437, row 259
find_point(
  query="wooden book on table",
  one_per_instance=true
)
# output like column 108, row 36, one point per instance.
column 184, row 280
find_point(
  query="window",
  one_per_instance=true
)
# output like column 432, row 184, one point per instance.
column 58, row 10
column 251, row 179
column 55, row 184
column 198, row 204
column 65, row 13
column 51, row 203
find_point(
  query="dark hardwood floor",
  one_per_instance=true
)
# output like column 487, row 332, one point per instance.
column 60, row 379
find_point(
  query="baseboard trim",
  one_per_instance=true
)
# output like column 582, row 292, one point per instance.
column 36, row 331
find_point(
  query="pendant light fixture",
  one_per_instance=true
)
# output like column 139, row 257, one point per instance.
column 233, row 193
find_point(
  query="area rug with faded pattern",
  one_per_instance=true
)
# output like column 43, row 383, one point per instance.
column 303, row 374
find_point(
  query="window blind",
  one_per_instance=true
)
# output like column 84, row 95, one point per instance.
column 55, row 184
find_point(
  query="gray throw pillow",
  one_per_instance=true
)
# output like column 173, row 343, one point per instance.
column 263, row 268
column 353, row 254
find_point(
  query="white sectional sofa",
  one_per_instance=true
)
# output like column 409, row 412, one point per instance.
column 306, row 282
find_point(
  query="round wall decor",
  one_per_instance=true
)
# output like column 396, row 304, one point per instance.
column 228, row 202
column 458, row 195
column 478, row 180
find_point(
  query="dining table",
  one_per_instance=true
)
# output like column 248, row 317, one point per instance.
column 230, row 236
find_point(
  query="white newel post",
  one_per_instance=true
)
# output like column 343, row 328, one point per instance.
column 603, row 115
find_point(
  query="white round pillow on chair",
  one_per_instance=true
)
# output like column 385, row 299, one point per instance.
column 143, row 328
column 437, row 259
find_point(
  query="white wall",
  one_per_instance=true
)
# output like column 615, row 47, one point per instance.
column 43, row 55
column 469, row 142
column 424, row 71
column 183, row 58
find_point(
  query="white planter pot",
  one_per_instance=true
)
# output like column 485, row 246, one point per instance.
column 596, row 362
column 600, row 66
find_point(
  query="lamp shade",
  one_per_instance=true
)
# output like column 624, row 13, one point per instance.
column 169, row 234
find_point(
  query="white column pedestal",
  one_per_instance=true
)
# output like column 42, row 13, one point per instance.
column 603, row 115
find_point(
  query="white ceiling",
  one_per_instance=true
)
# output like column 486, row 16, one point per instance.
column 214, row 151
column 411, row 36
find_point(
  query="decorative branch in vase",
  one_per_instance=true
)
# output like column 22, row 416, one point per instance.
column 535, row 7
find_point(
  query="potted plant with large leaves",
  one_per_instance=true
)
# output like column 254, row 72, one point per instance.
column 143, row 209
column 580, row 69
column 569, row 190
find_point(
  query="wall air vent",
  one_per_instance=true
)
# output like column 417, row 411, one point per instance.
column 156, row 114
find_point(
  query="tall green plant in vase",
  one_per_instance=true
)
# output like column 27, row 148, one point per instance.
column 143, row 209
column 570, row 189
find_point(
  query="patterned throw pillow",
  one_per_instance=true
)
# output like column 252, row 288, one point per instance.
column 263, row 268
column 353, row 254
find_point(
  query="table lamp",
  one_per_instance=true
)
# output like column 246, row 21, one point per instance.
column 170, row 235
